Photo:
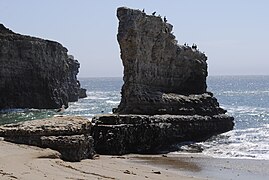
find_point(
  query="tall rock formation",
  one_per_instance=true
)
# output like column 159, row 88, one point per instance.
column 157, row 71
column 164, row 96
column 35, row 73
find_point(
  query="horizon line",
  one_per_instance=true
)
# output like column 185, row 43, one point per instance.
column 207, row 76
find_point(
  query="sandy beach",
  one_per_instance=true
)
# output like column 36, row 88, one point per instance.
column 29, row 162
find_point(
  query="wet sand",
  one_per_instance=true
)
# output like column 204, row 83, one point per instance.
column 29, row 162
column 204, row 167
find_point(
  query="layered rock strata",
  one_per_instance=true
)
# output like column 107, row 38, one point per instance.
column 164, row 96
column 35, row 73
column 121, row 134
column 68, row 135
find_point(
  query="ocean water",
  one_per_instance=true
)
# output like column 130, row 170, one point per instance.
column 245, row 97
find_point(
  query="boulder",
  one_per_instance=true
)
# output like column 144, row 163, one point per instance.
column 68, row 135
column 72, row 148
column 82, row 93
column 164, row 96
column 35, row 73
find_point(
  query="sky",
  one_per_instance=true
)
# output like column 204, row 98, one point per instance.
column 234, row 34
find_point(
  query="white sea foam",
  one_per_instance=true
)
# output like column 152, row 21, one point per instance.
column 245, row 143
column 112, row 102
column 257, row 92
column 97, row 102
column 97, row 97
column 249, row 139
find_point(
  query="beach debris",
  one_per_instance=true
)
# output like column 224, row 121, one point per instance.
column 96, row 156
column 129, row 172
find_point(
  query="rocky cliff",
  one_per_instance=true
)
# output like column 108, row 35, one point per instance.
column 164, row 96
column 35, row 73
column 156, row 68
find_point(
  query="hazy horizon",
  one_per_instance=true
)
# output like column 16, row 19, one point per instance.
column 233, row 34
column 242, row 75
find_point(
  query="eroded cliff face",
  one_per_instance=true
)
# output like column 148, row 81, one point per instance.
column 154, row 64
column 35, row 73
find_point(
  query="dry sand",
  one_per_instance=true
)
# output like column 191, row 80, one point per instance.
column 29, row 162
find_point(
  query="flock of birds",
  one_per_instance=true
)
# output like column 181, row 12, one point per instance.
column 194, row 46
column 153, row 14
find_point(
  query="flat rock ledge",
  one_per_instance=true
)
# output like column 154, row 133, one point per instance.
column 123, row 134
column 67, row 134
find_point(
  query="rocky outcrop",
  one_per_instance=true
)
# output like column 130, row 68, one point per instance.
column 121, row 134
column 35, row 73
column 154, row 64
column 68, row 135
column 164, row 96
column 82, row 93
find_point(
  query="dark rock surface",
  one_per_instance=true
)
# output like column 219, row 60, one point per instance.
column 152, row 103
column 164, row 97
column 68, row 135
column 82, row 93
column 72, row 148
column 35, row 73
column 121, row 134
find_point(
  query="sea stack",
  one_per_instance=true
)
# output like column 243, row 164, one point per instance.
column 164, row 96
column 35, row 73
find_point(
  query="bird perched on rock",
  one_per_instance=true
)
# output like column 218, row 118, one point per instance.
column 153, row 14
column 143, row 10
column 164, row 19
column 194, row 46
column 61, row 110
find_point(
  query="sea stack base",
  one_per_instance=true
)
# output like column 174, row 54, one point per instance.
column 123, row 134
